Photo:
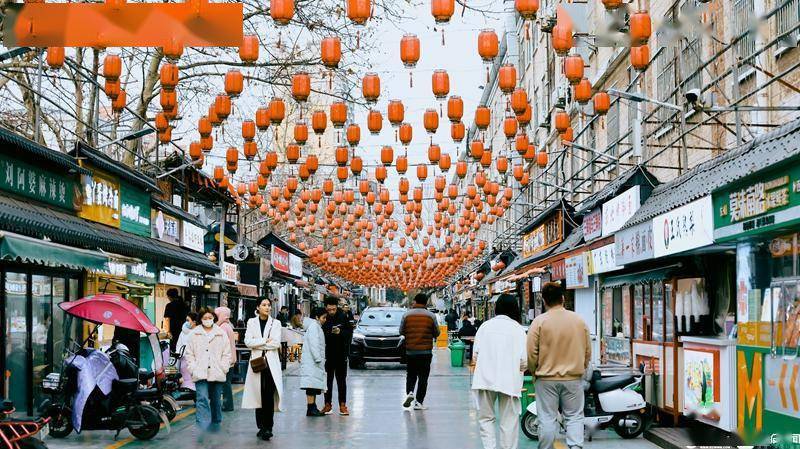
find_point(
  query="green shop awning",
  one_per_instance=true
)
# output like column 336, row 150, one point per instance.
column 642, row 277
column 20, row 248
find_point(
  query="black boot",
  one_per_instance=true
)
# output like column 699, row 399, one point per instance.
column 312, row 410
column 266, row 435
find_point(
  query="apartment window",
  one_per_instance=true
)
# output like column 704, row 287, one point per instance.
column 665, row 82
column 692, row 52
column 787, row 18
column 742, row 12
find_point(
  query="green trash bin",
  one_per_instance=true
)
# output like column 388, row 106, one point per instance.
column 457, row 349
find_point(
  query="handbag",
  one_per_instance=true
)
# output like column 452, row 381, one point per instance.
column 259, row 364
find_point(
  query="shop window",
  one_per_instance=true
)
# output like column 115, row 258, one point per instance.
column 57, row 334
column 16, row 376
column 784, row 252
column 41, row 332
column 658, row 312
column 669, row 322
column 638, row 312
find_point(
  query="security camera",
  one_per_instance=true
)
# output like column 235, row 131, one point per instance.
column 692, row 96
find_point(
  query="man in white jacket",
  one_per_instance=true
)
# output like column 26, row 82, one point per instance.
column 500, row 358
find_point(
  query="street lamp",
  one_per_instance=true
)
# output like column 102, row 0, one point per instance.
column 129, row 137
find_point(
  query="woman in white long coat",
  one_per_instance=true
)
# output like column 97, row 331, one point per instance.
column 263, row 391
column 312, row 362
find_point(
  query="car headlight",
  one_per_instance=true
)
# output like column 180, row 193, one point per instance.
column 358, row 336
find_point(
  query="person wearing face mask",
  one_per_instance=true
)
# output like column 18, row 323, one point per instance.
column 263, row 389
column 208, row 355
column 180, row 348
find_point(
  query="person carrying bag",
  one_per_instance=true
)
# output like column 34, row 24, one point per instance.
column 263, row 387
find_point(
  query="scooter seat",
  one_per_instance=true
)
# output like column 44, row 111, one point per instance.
column 612, row 383
column 147, row 393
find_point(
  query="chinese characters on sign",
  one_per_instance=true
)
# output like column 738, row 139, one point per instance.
column 295, row 265
column 280, row 259
column 634, row 244
column 603, row 259
column 101, row 199
column 193, row 237
column 166, row 228
column 687, row 227
column 771, row 200
column 558, row 270
column 32, row 182
column 230, row 272
column 544, row 236
column 135, row 210
column 592, row 225
column 620, row 209
column 577, row 274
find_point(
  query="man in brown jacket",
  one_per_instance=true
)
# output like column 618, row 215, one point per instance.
column 558, row 355
column 419, row 327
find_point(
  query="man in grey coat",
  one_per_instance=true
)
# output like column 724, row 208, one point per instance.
column 312, row 361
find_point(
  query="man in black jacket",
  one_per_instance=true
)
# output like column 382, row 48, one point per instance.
column 338, row 332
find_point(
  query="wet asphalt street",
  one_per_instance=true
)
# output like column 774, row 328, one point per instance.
column 376, row 419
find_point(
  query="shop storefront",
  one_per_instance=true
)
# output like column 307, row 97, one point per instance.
column 761, row 214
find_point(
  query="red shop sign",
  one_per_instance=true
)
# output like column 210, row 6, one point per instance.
column 280, row 259
column 558, row 270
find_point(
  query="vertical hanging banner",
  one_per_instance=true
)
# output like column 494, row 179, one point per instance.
column 116, row 23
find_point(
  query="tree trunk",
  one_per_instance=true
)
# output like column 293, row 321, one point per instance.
column 146, row 96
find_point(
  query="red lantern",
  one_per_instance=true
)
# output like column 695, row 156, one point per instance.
column 488, row 45
column 248, row 130
column 380, row 174
column 401, row 165
column 319, row 121
column 583, row 91
column 422, row 172
column 476, row 149
column 612, row 4
column 440, row 82
column 292, row 153
column 234, row 83
column 409, row 50
column 112, row 67
column 262, row 119
column 301, row 132
column 541, row 159
column 507, row 78
column 519, row 100
column 232, row 159
column 222, row 106
column 510, row 127
column 353, row 134
column 359, row 11
column 483, row 117
column 640, row 27
column 271, row 160
column 371, row 87
column 113, row 88
column 356, row 166
column 501, row 164
column 312, row 163
column 455, row 108
column 195, row 151
column 396, row 112
column 568, row 135
column 444, row 162
column 521, row 143
column 525, row 118
column 602, row 103
column 374, row 122
column 338, row 114
column 281, row 11
column 168, row 76
column 250, row 150
column 387, row 155
column 457, row 132
column 301, row 86
column 431, row 120
column 331, row 49
column 277, row 110
column 573, row 68
column 527, row 8
column 442, row 10
column 640, row 57
column 119, row 103
column 434, row 153
column 461, row 169
column 207, row 144
column 562, row 38
column 161, row 122
column 405, row 133
column 55, row 57
column 561, row 121
column 248, row 51
column 342, row 155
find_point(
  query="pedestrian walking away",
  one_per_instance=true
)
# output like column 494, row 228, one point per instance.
column 499, row 361
column 559, row 352
column 283, row 316
column 419, row 328
column 224, row 322
column 312, row 362
column 208, row 355
column 263, row 390
column 338, row 332
column 174, row 315
column 452, row 320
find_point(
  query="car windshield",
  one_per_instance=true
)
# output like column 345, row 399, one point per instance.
column 381, row 318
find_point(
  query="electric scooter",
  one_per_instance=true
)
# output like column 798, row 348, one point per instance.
column 609, row 401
